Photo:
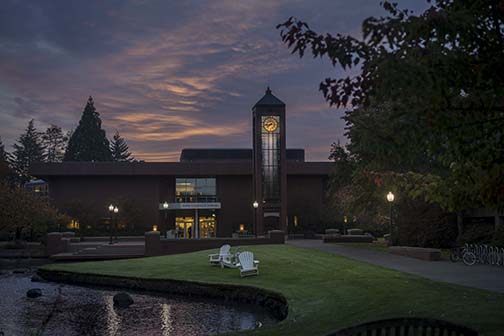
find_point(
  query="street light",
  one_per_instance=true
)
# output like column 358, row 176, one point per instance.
column 111, row 209
column 390, row 199
column 345, row 221
column 255, row 205
column 165, row 207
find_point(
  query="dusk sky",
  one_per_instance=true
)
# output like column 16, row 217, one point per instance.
column 170, row 74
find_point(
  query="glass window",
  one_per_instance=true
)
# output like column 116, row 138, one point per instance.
column 195, row 189
column 270, row 136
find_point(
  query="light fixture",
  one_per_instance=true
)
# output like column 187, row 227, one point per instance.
column 116, row 210
column 390, row 197
column 154, row 228
column 242, row 227
column 255, row 204
column 165, row 205
column 213, row 215
column 110, row 208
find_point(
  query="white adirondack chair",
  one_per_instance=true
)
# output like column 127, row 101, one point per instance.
column 247, row 264
column 217, row 258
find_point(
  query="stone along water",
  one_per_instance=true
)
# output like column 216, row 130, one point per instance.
column 74, row 310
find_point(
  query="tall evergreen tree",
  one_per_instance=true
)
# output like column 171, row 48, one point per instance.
column 119, row 149
column 89, row 141
column 28, row 149
column 55, row 142
column 3, row 153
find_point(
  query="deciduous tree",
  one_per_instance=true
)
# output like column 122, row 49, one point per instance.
column 425, row 99
column 55, row 142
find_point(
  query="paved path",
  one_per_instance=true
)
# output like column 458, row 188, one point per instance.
column 478, row 276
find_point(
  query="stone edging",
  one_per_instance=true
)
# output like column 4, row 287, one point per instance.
column 273, row 302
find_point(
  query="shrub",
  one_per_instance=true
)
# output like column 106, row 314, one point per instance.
column 481, row 233
column 425, row 225
column 498, row 236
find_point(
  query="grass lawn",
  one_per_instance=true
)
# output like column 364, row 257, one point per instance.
column 324, row 291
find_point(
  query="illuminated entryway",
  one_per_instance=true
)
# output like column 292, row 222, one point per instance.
column 207, row 227
column 185, row 228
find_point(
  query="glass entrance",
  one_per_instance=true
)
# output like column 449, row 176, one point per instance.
column 207, row 227
column 184, row 227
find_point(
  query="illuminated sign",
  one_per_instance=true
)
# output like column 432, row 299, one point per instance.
column 195, row 205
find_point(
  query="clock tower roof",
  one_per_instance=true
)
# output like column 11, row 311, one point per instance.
column 269, row 100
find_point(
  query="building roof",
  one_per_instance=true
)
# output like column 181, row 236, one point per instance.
column 269, row 100
column 49, row 170
column 231, row 154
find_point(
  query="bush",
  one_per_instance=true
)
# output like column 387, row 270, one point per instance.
column 424, row 225
column 498, row 236
column 477, row 234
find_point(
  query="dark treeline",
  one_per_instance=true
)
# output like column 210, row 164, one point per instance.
column 87, row 142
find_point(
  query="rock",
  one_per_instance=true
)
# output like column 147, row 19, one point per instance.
column 34, row 293
column 123, row 300
column 36, row 278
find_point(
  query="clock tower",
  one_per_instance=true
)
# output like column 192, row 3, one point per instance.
column 269, row 171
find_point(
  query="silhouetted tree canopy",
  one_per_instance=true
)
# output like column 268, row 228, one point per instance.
column 55, row 143
column 88, row 142
column 425, row 99
column 27, row 150
column 119, row 149
column 3, row 153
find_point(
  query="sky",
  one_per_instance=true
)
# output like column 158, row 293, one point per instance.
column 170, row 74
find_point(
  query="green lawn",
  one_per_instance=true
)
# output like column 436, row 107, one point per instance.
column 325, row 292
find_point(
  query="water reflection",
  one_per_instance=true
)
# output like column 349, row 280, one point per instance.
column 74, row 310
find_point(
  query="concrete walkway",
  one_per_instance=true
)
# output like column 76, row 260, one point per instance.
column 479, row 276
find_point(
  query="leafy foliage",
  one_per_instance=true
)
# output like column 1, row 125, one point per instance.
column 55, row 143
column 427, row 102
column 88, row 142
column 24, row 211
column 28, row 149
column 119, row 149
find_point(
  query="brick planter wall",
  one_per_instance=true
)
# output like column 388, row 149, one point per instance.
column 155, row 245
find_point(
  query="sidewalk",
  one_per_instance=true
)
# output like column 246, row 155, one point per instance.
column 479, row 276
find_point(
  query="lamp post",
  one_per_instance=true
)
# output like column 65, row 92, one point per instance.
column 345, row 221
column 390, row 199
column 111, row 211
column 116, row 211
column 165, row 208
column 255, row 205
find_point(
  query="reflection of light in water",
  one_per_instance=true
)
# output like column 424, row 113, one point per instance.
column 247, row 321
column 225, row 320
column 112, row 319
column 166, row 319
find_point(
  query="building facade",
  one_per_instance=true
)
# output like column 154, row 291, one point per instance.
column 208, row 193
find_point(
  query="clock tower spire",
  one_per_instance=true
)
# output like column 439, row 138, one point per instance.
column 269, row 157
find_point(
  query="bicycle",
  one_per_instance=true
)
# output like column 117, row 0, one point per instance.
column 466, row 254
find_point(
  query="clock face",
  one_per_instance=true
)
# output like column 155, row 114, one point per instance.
column 270, row 124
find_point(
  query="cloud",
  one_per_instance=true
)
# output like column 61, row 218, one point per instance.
column 167, row 74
